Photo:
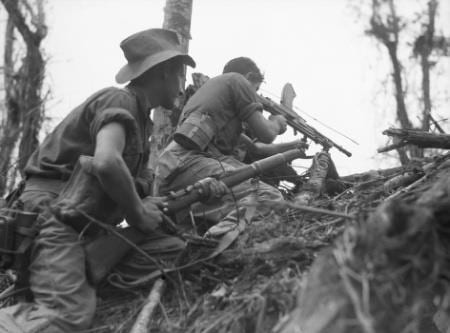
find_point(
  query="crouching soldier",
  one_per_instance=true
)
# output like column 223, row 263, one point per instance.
column 209, row 130
column 113, row 127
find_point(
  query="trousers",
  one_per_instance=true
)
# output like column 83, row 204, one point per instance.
column 179, row 168
column 64, row 300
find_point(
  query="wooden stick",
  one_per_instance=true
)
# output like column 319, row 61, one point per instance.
column 419, row 138
column 407, row 188
column 391, row 147
column 143, row 319
column 436, row 124
column 320, row 211
column 309, row 209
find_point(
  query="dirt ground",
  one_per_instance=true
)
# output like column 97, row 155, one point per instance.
column 257, row 284
column 383, row 269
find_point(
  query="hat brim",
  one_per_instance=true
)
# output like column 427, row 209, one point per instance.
column 133, row 70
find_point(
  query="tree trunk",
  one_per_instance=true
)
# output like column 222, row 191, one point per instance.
column 33, row 111
column 425, row 50
column 177, row 17
column 387, row 30
column 10, row 127
column 23, row 85
column 402, row 114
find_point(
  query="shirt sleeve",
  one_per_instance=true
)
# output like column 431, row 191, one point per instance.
column 114, row 107
column 244, row 97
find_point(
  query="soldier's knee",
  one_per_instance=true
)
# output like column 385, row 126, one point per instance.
column 79, row 316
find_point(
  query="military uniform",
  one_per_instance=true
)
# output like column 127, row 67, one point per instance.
column 64, row 300
column 209, row 129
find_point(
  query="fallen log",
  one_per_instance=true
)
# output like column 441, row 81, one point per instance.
column 421, row 139
column 278, row 250
column 141, row 324
column 400, row 181
column 373, row 175
column 383, row 274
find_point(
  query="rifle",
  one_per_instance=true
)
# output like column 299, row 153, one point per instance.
column 299, row 124
column 106, row 251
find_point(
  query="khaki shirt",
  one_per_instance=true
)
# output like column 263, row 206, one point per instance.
column 76, row 134
column 228, row 100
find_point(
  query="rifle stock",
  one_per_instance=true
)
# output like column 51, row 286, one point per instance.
column 106, row 251
column 299, row 124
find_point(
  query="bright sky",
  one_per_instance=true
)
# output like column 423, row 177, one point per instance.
column 315, row 45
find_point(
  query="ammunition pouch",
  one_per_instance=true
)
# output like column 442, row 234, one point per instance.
column 83, row 197
column 196, row 132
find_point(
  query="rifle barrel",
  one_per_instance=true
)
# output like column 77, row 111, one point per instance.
column 299, row 124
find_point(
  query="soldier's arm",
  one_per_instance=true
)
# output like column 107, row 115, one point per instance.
column 265, row 129
column 269, row 149
column 113, row 174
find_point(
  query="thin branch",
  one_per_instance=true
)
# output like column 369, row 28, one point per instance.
column 19, row 21
column 391, row 147
column 153, row 299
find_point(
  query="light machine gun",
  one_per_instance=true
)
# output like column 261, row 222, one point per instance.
column 293, row 119
column 299, row 124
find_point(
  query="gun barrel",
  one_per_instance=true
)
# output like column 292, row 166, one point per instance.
column 299, row 124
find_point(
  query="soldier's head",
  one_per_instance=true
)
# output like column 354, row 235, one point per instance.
column 248, row 68
column 155, row 62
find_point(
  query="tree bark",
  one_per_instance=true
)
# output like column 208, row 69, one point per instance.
column 10, row 127
column 177, row 17
column 25, row 107
column 424, row 47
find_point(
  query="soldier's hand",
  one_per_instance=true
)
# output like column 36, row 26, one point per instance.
column 281, row 122
column 301, row 144
column 160, row 202
column 211, row 188
column 152, row 213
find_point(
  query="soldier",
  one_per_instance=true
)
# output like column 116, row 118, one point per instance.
column 113, row 126
column 209, row 130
